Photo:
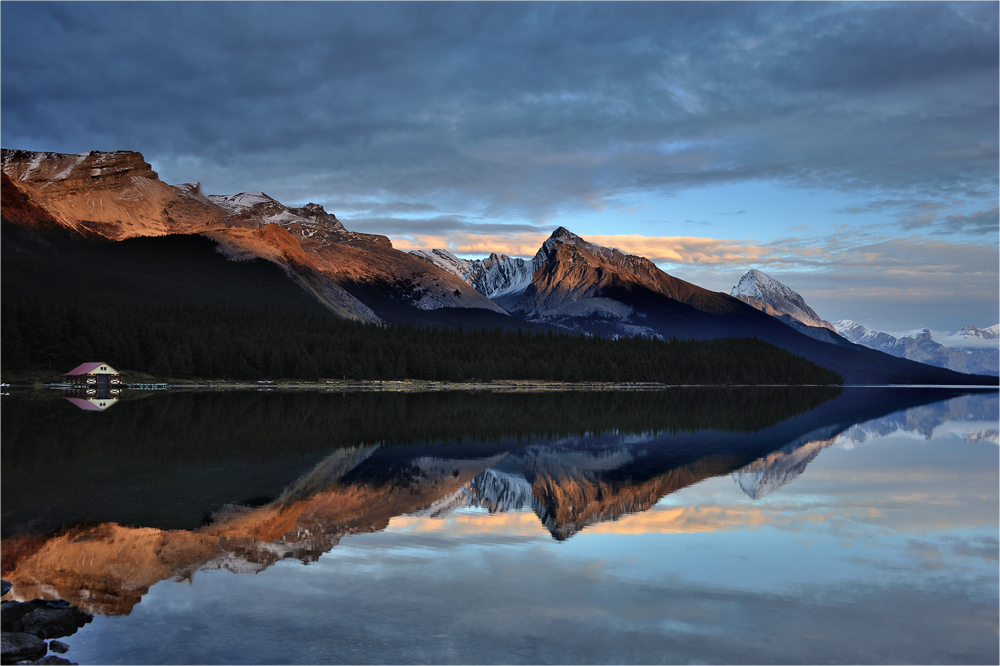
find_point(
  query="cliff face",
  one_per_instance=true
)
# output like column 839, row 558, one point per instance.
column 278, row 245
column 115, row 195
column 361, row 262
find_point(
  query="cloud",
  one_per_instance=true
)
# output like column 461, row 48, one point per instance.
column 474, row 243
column 383, row 208
column 440, row 226
column 481, row 126
column 514, row 110
column 981, row 222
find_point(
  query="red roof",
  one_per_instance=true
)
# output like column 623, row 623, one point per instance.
column 84, row 368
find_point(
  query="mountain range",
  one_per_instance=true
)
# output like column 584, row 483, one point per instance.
column 968, row 351
column 62, row 211
column 920, row 346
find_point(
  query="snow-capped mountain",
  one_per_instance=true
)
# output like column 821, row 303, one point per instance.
column 499, row 275
column 970, row 333
column 771, row 296
column 363, row 263
column 574, row 284
column 570, row 278
column 496, row 490
column 859, row 334
column 920, row 346
column 496, row 276
column 970, row 417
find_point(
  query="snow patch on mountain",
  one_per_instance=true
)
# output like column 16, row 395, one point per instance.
column 238, row 203
column 64, row 174
column 445, row 260
column 859, row 334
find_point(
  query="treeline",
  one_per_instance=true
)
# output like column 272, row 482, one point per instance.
column 189, row 341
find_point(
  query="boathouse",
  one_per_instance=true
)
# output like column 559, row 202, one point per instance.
column 95, row 377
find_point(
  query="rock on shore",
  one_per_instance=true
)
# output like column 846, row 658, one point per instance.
column 26, row 624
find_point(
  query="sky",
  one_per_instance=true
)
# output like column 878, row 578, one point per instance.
column 849, row 150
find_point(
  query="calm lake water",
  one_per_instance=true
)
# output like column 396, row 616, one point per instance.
column 695, row 525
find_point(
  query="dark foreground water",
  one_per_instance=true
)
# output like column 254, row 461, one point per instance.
column 702, row 525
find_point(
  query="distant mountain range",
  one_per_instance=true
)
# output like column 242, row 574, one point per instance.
column 920, row 346
column 57, row 207
column 964, row 353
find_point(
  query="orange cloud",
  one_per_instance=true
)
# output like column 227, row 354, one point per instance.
column 659, row 520
column 659, row 249
column 518, row 245
column 683, row 520
column 519, row 523
column 895, row 512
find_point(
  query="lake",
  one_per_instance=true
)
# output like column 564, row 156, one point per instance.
column 709, row 525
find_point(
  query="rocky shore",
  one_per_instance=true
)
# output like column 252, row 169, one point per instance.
column 25, row 626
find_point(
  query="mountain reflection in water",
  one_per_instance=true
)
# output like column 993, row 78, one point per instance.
column 765, row 475
column 577, row 473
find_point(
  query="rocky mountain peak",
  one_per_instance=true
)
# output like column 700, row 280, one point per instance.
column 315, row 213
column 971, row 331
column 763, row 292
column 494, row 259
column 65, row 173
column 242, row 202
column 563, row 234
column 312, row 209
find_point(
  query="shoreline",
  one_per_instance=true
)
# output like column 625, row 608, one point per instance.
column 426, row 386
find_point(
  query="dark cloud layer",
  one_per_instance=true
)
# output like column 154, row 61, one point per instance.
column 516, row 110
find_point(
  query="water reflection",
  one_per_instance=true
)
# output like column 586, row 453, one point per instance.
column 93, row 404
column 604, row 481
column 972, row 418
